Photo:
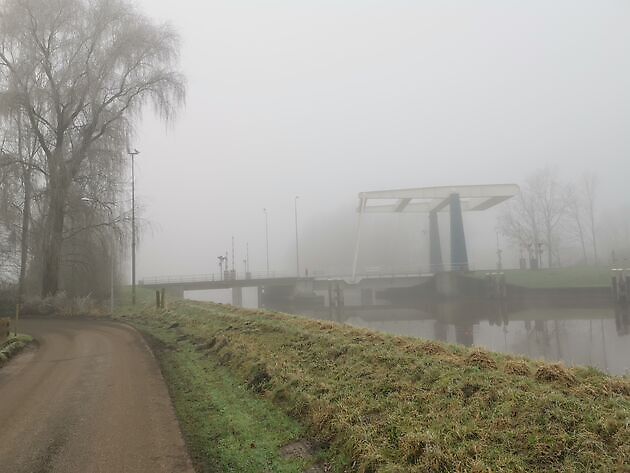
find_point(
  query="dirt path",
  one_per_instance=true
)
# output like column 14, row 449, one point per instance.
column 91, row 398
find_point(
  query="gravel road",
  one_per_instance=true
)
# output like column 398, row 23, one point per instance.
column 89, row 398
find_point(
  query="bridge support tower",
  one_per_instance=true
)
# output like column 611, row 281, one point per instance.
column 459, row 255
column 435, row 248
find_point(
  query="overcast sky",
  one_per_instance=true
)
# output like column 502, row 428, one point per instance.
column 326, row 99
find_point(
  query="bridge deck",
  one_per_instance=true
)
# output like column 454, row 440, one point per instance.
column 208, row 282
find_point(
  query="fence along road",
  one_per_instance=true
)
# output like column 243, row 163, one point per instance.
column 91, row 398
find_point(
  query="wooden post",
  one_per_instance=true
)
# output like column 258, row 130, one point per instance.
column 163, row 299
column 157, row 299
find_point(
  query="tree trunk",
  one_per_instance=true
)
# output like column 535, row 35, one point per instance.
column 26, row 221
column 54, row 238
column 27, row 171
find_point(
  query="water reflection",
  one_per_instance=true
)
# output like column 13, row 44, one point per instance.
column 598, row 337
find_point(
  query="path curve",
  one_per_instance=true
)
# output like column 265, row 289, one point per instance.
column 89, row 399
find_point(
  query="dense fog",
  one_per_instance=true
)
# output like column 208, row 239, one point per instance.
column 325, row 101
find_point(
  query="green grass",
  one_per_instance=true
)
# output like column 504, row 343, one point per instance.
column 396, row 404
column 576, row 277
column 144, row 296
column 12, row 346
column 228, row 428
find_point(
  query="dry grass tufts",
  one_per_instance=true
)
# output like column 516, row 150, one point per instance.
column 555, row 372
column 432, row 348
column 481, row 359
column 412, row 447
column 586, row 390
column 517, row 367
column 618, row 386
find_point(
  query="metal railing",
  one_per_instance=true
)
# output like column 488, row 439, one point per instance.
column 370, row 273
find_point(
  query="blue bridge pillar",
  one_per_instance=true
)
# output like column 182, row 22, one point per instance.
column 459, row 255
column 435, row 249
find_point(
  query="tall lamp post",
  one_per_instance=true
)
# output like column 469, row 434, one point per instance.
column 267, row 238
column 133, row 154
column 297, row 247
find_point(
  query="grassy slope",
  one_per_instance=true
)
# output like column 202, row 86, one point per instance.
column 227, row 427
column 557, row 278
column 394, row 404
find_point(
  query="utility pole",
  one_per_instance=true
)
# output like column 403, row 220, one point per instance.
column 233, row 259
column 247, row 257
column 267, row 238
column 297, row 247
column 133, row 154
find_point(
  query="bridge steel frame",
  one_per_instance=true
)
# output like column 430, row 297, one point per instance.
column 432, row 200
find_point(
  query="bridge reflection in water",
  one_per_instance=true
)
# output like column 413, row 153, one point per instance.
column 598, row 336
column 578, row 328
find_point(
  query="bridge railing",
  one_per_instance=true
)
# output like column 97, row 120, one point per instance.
column 214, row 277
column 370, row 273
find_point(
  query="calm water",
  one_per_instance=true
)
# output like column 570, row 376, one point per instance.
column 598, row 337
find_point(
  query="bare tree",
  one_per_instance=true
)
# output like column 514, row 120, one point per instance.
column 82, row 72
column 534, row 217
column 520, row 222
column 577, row 220
column 582, row 213
column 553, row 202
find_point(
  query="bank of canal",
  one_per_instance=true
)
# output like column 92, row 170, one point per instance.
column 378, row 402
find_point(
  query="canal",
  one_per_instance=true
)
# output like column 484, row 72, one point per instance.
column 598, row 337
column 595, row 335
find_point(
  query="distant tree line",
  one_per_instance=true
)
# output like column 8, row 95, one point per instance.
column 74, row 78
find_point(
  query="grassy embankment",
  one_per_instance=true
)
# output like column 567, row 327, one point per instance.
column 12, row 346
column 228, row 426
column 378, row 402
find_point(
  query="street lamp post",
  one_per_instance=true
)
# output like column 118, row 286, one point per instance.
column 297, row 247
column 267, row 238
column 246, row 261
column 133, row 154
